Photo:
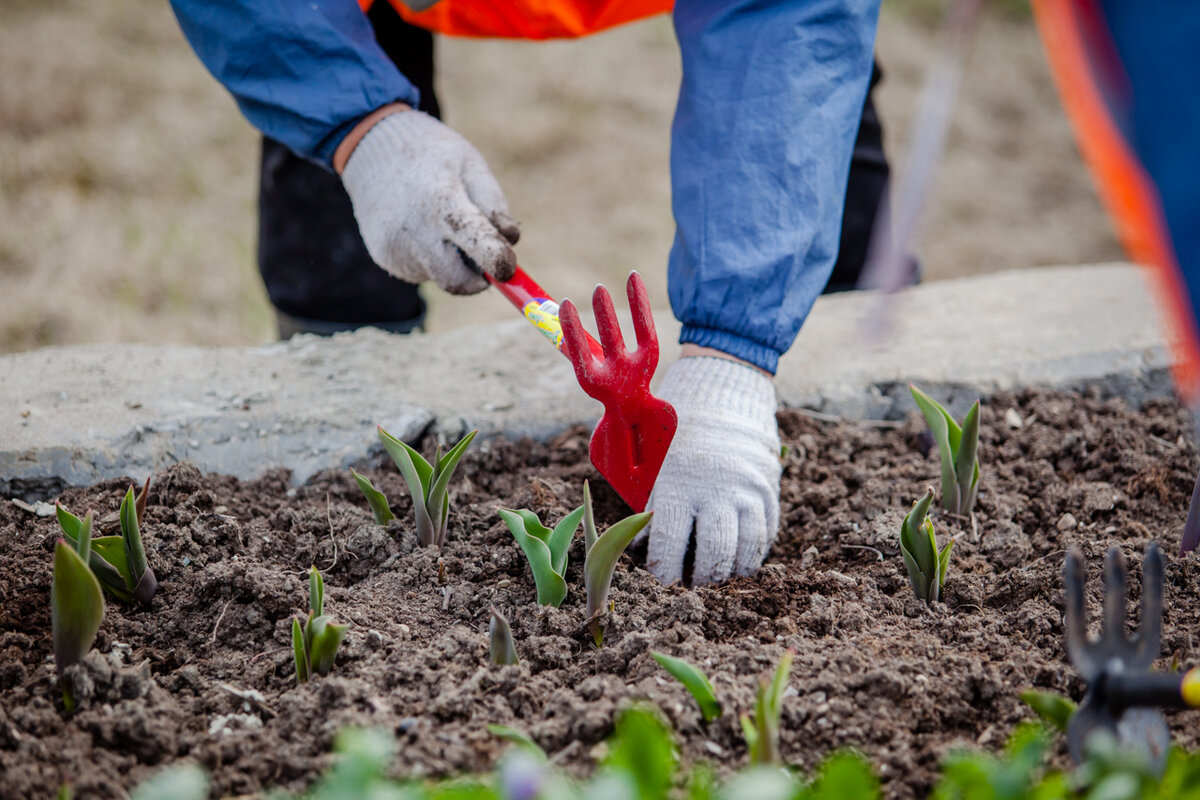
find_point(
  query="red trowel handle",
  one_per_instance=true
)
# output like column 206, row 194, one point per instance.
column 538, row 306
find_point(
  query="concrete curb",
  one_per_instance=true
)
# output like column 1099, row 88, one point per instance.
column 75, row 415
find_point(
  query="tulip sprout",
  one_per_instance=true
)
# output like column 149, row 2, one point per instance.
column 500, row 638
column 959, row 448
column 603, row 551
column 76, row 603
column 925, row 564
column 119, row 562
column 545, row 549
column 315, row 641
column 427, row 483
column 375, row 499
column 762, row 732
column 694, row 680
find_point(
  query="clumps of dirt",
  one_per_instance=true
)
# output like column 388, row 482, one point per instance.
column 206, row 674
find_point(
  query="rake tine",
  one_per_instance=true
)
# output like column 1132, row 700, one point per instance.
column 1076, row 622
column 575, row 345
column 1112, row 634
column 1149, row 627
column 606, row 323
column 643, row 320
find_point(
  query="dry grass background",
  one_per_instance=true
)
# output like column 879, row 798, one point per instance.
column 127, row 178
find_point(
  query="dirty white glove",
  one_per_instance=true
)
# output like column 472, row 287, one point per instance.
column 427, row 206
column 722, row 472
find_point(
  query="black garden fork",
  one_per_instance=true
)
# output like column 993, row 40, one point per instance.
column 1123, row 695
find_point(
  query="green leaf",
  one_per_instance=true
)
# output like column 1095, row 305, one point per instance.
column 551, row 588
column 561, row 538
column 642, row 748
column 694, row 680
column 139, row 504
column 517, row 737
column 438, row 494
column 177, row 782
column 1051, row 707
column 140, row 579
column 589, row 520
column 375, row 499
column 316, row 592
column 500, row 639
column 749, row 733
column 599, row 564
column 845, row 776
column 918, row 548
column 417, row 473
column 966, row 463
column 299, row 651
column 326, row 638
column 943, row 560
column 76, row 606
column 69, row 523
column 945, row 434
column 83, row 543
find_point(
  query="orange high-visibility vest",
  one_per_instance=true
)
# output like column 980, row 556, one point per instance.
column 527, row 19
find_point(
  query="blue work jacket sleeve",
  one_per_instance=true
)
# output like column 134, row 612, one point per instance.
column 770, row 104
column 303, row 73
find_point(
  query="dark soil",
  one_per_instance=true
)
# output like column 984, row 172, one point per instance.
column 875, row 669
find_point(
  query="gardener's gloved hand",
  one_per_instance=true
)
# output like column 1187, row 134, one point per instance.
column 427, row 206
column 721, row 473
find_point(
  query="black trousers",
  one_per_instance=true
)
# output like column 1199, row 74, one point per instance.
column 319, row 276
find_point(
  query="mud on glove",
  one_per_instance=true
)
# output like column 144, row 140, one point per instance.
column 427, row 206
column 721, row 475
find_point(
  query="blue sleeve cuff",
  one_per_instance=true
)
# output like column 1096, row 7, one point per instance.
column 765, row 358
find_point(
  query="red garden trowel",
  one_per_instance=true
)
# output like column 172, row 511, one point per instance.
column 631, row 439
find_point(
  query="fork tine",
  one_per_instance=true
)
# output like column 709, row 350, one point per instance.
column 1076, row 622
column 575, row 344
column 611, row 338
column 1149, row 628
column 1112, row 634
column 643, row 320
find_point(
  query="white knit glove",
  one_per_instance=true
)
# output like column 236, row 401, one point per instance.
column 721, row 473
column 427, row 206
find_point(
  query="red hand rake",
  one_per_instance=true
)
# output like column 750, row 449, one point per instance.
column 632, row 438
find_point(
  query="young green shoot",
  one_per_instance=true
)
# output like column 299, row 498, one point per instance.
column 762, row 730
column 694, row 680
column 76, row 603
column 375, row 499
column 544, row 549
column 315, row 641
column 428, row 483
column 601, row 560
column 925, row 564
column 1051, row 707
column 959, row 448
column 119, row 561
column 500, row 639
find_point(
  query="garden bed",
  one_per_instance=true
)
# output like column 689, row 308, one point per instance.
column 874, row 668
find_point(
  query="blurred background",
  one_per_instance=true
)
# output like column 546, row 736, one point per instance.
column 128, row 179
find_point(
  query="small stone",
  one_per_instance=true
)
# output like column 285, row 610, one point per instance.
column 374, row 639
column 714, row 748
column 1067, row 522
column 1013, row 420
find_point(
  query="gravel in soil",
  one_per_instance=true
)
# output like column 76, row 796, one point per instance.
column 206, row 673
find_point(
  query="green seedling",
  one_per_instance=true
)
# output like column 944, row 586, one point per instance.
column 544, row 549
column 603, row 551
column 427, row 483
column 959, row 448
column 315, row 641
column 500, row 638
column 926, row 566
column 762, row 730
column 1051, row 707
column 119, row 562
column 694, row 680
column 76, row 603
column 375, row 499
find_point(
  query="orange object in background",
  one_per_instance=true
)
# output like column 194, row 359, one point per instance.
column 527, row 19
column 1084, row 63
